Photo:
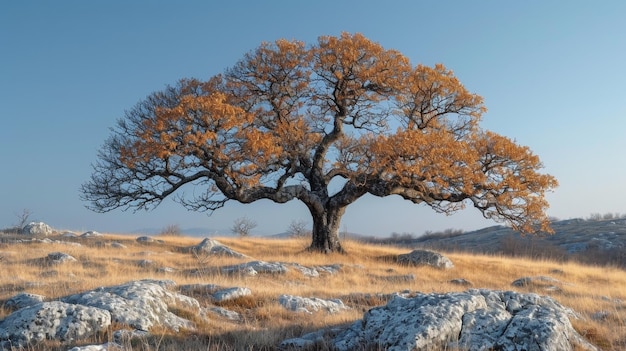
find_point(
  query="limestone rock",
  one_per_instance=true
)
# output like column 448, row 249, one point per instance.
column 213, row 247
column 90, row 234
column 109, row 346
column 37, row 228
column 425, row 257
column 22, row 300
column 309, row 305
column 231, row 294
column 256, row 267
column 472, row 320
column 54, row 320
column 59, row 258
column 141, row 304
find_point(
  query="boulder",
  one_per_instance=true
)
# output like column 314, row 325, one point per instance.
column 472, row 320
column 310, row 305
column 22, row 300
column 541, row 282
column 90, row 234
column 140, row 304
column 256, row 267
column 54, row 320
column 59, row 258
column 231, row 294
column 213, row 247
column 37, row 228
column 425, row 258
column 109, row 346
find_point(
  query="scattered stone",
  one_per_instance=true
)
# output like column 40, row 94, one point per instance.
column 109, row 346
column 68, row 234
column 472, row 320
column 425, row 258
column 54, row 320
column 140, row 304
column 22, row 300
column 201, row 290
column 124, row 336
column 542, row 282
column 310, row 305
column 90, row 234
column 230, row 294
column 306, row 271
column 308, row 341
column 117, row 245
column 145, row 263
column 395, row 278
column 213, row 247
column 59, row 258
column 461, row 281
column 37, row 228
column 224, row 313
column 256, row 267
column 145, row 240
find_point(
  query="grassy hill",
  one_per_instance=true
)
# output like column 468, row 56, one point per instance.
column 597, row 294
column 598, row 241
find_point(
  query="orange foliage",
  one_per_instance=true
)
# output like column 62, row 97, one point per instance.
column 344, row 107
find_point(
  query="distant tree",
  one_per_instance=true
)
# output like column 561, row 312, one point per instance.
column 23, row 218
column 287, row 120
column 171, row 230
column 242, row 226
column 596, row 216
column 298, row 228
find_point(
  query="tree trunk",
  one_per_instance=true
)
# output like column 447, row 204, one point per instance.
column 326, row 230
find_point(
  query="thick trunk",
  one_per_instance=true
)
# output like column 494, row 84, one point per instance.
column 326, row 230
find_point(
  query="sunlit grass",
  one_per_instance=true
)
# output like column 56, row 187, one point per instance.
column 588, row 290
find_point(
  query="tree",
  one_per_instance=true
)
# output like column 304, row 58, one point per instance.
column 242, row 226
column 298, row 228
column 288, row 119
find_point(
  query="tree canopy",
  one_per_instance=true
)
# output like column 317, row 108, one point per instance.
column 288, row 119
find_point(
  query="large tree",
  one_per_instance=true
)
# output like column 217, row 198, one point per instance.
column 288, row 119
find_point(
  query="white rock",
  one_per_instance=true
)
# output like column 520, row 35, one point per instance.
column 472, row 320
column 54, row 320
column 310, row 305
column 231, row 294
column 213, row 247
column 59, row 257
column 90, row 234
column 427, row 258
column 22, row 300
column 255, row 267
column 140, row 304
column 37, row 228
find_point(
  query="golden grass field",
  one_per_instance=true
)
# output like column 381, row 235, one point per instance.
column 585, row 289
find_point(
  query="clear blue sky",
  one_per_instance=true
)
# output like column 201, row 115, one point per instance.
column 552, row 73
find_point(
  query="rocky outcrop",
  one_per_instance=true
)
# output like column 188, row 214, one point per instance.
column 472, row 320
column 91, row 234
column 139, row 304
column 37, row 228
column 59, row 258
column 310, row 305
column 425, row 258
column 213, row 247
column 51, row 320
column 22, row 300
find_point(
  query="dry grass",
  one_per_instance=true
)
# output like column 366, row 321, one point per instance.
column 588, row 290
